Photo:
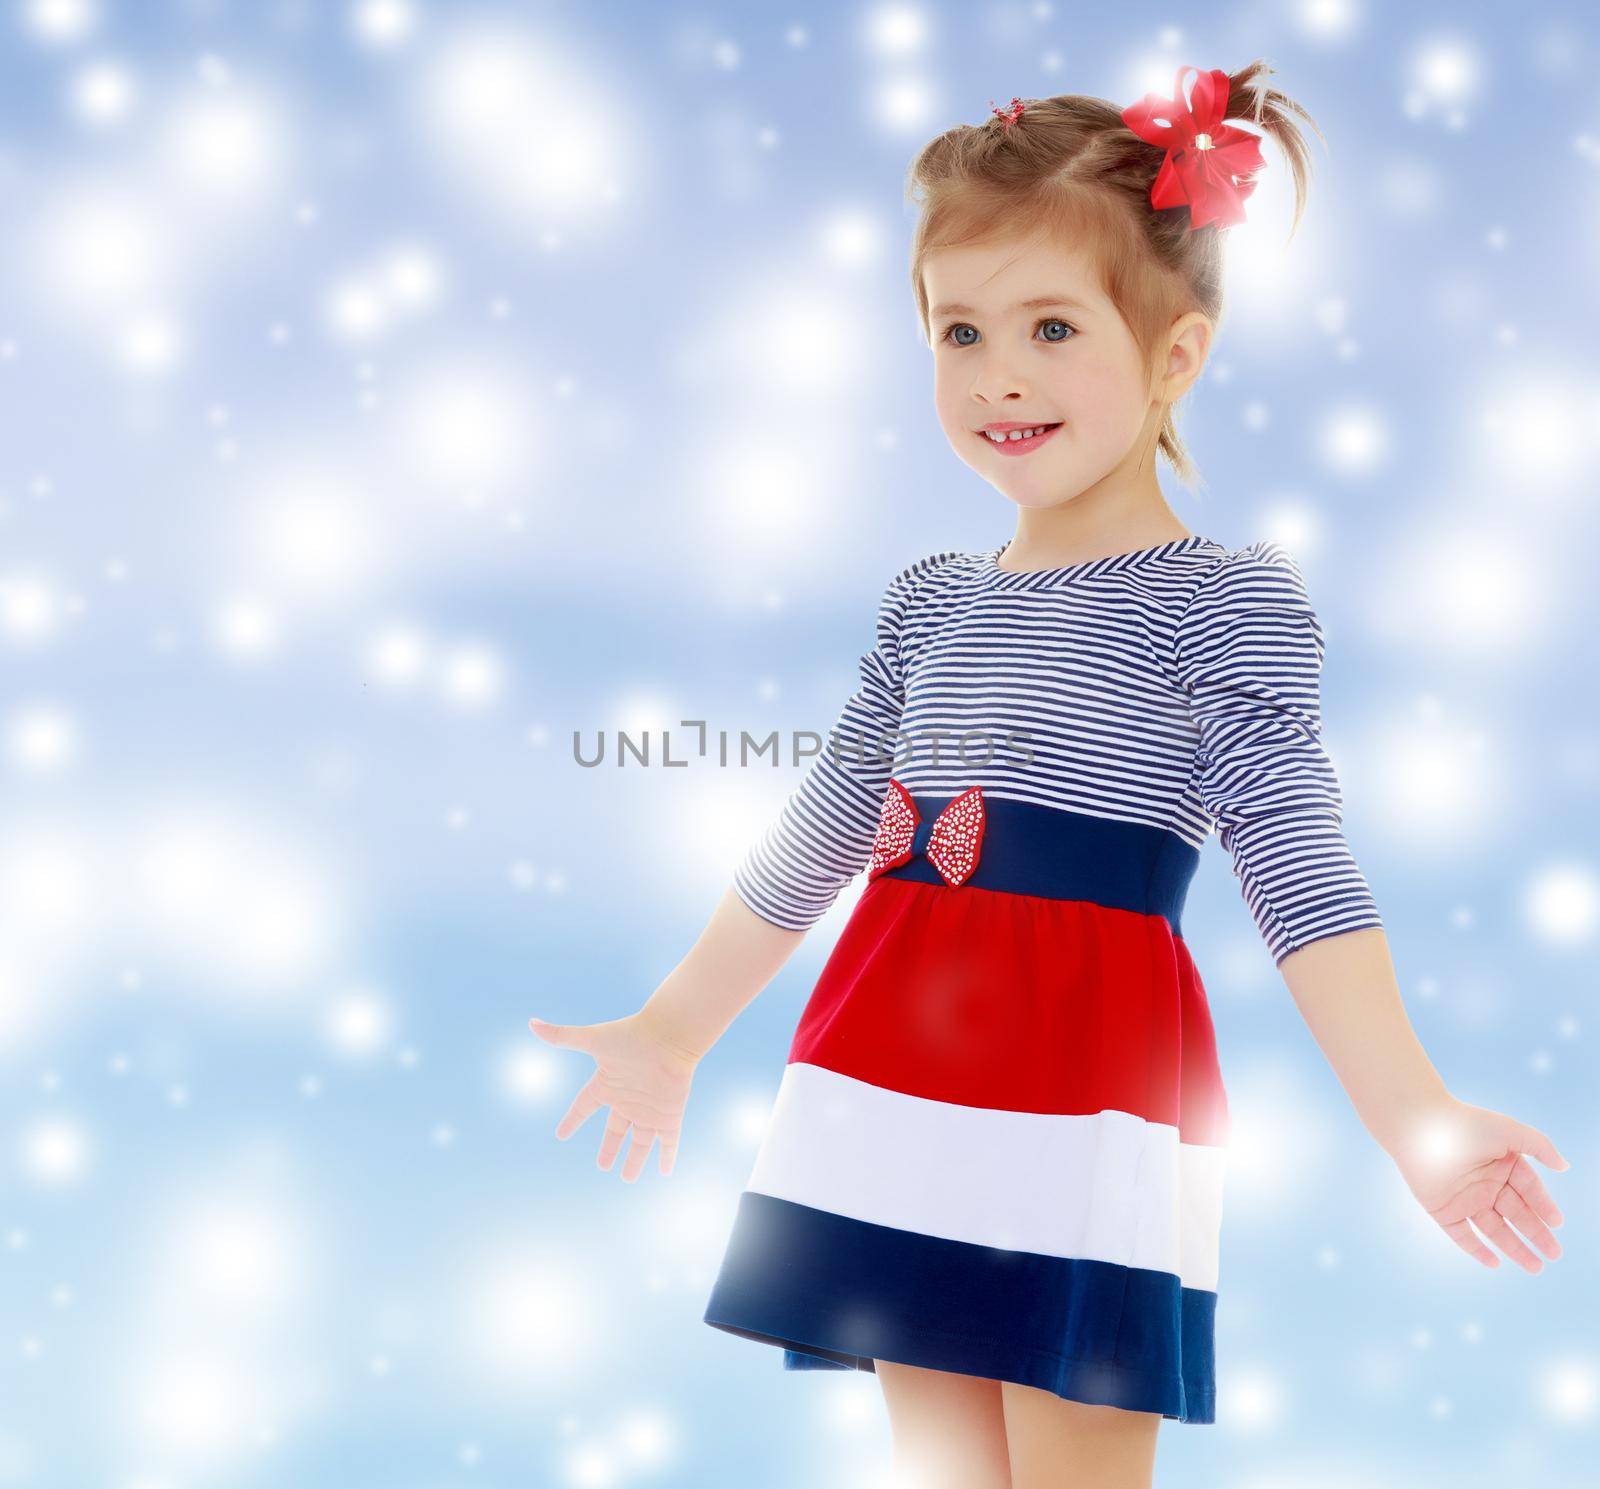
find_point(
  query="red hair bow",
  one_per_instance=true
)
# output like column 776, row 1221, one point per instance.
column 1205, row 157
column 952, row 844
column 1007, row 116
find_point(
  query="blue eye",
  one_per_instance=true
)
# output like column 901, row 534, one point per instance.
column 954, row 326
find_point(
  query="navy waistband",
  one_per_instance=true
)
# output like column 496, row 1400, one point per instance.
column 1061, row 855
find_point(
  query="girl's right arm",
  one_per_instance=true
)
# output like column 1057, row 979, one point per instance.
column 819, row 842
column 823, row 837
column 645, row 1062
column 735, row 957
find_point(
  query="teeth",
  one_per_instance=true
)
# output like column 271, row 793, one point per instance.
column 999, row 436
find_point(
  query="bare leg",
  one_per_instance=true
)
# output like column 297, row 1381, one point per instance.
column 1058, row 1444
column 949, row 1429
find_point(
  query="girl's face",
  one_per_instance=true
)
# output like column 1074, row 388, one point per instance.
column 1023, row 336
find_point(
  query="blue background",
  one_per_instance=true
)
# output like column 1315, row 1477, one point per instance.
column 385, row 400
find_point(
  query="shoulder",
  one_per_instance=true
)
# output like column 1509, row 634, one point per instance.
column 1249, row 608
column 1262, row 575
column 931, row 569
column 914, row 573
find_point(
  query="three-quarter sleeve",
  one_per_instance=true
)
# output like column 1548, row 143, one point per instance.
column 1249, row 648
column 823, row 836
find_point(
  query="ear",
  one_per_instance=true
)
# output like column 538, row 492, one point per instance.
column 1188, row 345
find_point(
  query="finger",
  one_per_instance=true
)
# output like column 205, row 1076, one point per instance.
column 570, row 1036
column 1531, row 1187
column 1535, row 1142
column 1467, row 1239
column 640, row 1140
column 1494, row 1227
column 616, row 1130
column 584, row 1105
column 668, row 1154
column 1514, row 1208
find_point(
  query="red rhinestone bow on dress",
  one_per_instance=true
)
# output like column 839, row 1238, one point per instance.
column 952, row 845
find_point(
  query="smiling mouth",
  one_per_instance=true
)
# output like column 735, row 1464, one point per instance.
column 1015, row 442
column 1008, row 433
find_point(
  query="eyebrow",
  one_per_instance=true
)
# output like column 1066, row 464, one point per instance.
column 1039, row 302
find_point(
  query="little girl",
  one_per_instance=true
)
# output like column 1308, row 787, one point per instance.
column 994, row 1170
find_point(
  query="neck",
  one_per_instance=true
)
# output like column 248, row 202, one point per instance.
column 1122, row 512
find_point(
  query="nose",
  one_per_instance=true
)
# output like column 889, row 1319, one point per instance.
column 995, row 381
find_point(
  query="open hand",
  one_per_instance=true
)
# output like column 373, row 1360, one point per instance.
column 640, row 1074
column 1466, row 1163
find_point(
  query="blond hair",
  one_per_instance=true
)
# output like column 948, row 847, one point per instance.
column 1073, row 172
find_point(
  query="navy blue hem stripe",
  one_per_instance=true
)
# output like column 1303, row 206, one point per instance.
column 849, row 1292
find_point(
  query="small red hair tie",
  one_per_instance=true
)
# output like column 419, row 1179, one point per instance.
column 1210, row 166
column 1007, row 116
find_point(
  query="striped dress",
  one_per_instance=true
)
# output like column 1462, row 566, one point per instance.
column 999, row 1141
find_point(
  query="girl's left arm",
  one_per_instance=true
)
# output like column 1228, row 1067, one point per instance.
column 1250, row 650
column 1347, row 992
column 1462, row 1162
